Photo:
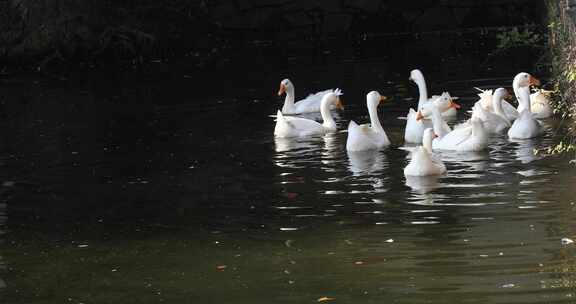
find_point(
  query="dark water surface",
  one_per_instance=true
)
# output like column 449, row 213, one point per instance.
column 196, row 202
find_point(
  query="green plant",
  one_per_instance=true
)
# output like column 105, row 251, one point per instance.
column 516, row 38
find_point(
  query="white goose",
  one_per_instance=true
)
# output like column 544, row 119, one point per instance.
column 522, row 82
column 307, row 105
column 423, row 162
column 495, row 122
column 368, row 136
column 525, row 126
column 447, row 112
column 485, row 102
column 540, row 104
column 289, row 126
column 469, row 136
column 415, row 128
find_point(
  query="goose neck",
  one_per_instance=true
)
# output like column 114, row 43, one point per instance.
column 289, row 100
column 374, row 120
column 422, row 92
column 327, row 119
column 523, row 96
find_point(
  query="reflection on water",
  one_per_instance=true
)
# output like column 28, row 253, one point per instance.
column 183, row 213
column 422, row 184
column 294, row 147
column 525, row 150
column 366, row 162
column 331, row 152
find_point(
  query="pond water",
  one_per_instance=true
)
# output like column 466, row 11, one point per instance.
column 198, row 202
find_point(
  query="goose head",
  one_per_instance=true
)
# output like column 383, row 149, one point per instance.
column 416, row 76
column 501, row 93
column 521, row 85
column 285, row 85
column 524, row 79
column 445, row 102
column 374, row 99
column 332, row 98
column 440, row 104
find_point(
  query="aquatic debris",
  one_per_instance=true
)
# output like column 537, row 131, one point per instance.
column 389, row 241
column 221, row 267
column 508, row 285
column 82, row 246
column 324, row 299
column 288, row 229
column 566, row 241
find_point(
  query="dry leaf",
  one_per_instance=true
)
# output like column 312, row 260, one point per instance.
column 323, row 299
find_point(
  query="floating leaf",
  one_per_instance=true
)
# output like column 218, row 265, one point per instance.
column 324, row 299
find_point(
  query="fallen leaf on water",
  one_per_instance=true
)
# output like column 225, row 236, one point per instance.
column 291, row 195
column 324, row 299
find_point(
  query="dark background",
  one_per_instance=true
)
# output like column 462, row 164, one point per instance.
column 207, row 33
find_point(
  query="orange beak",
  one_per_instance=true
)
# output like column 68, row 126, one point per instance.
column 382, row 99
column 282, row 89
column 339, row 104
column 419, row 115
column 533, row 81
column 454, row 105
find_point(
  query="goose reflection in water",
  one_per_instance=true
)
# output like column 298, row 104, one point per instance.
column 296, row 152
column 423, row 184
column 332, row 153
column 525, row 150
column 366, row 162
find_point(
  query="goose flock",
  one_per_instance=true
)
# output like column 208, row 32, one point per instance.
column 427, row 124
